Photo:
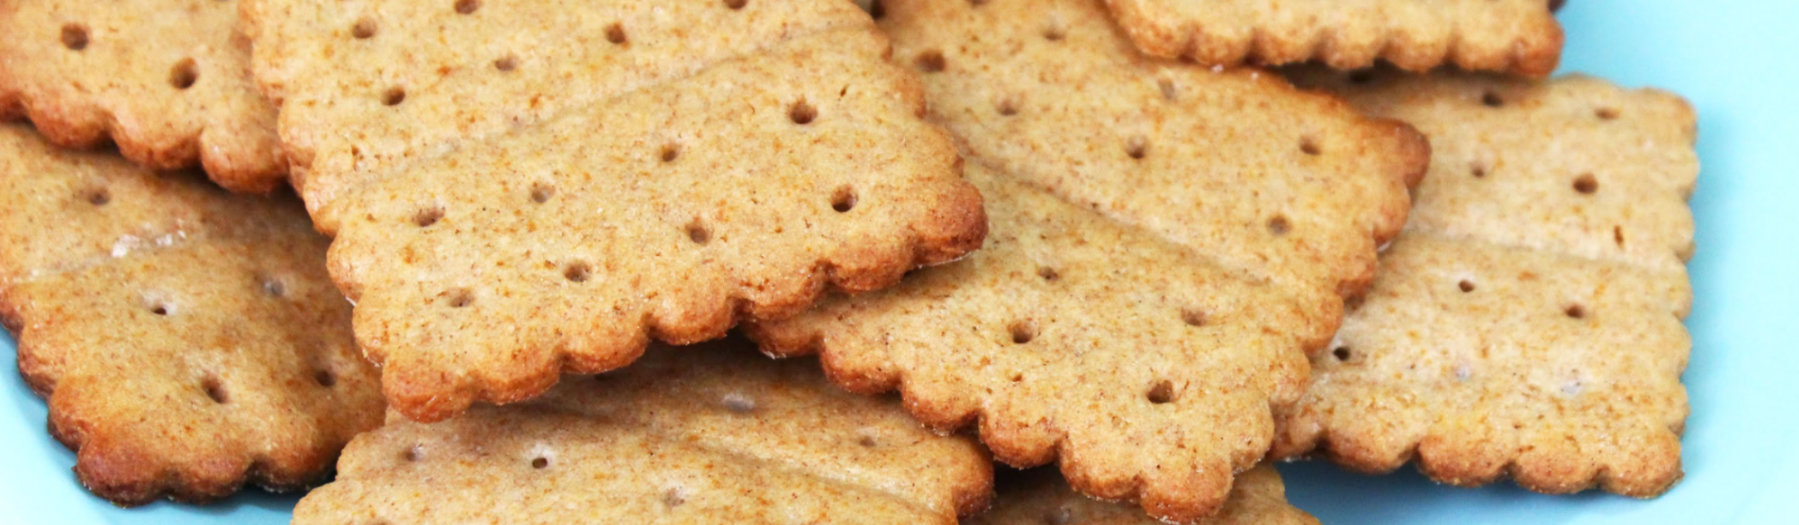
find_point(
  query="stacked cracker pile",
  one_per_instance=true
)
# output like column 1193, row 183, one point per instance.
column 1094, row 235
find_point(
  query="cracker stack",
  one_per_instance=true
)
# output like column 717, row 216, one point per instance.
column 1141, row 306
column 1091, row 233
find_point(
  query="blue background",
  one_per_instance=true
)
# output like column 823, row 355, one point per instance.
column 1730, row 58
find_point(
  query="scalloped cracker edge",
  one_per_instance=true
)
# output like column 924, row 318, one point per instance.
column 1519, row 37
column 167, row 81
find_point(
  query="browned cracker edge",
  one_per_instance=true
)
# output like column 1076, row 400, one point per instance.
column 949, row 234
column 1528, row 57
column 125, row 476
column 87, row 126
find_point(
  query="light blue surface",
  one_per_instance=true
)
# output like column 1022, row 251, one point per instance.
column 1730, row 58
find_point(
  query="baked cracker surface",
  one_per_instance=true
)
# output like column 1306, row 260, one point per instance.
column 714, row 433
column 1527, row 323
column 168, row 81
column 187, row 341
column 1514, row 36
column 1166, row 245
column 1040, row 497
column 518, row 189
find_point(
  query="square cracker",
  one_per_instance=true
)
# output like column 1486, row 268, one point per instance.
column 187, row 341
column 586, row 180
column 1288, row 186
column 1040, row 497
column 168, row 81
column 1514, row 36
column 712, row 434
column 1527, row 322
column 1167, row 243
column 1142, row 364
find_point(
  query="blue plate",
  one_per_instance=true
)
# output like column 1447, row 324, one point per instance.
column 1728, row 57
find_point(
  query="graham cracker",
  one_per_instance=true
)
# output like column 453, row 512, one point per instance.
column 187, row 341
column 592, row 179
column 1528, row 322
column 715, row 433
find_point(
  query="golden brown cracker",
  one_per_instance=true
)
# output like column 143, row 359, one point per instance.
column 1040, row 497
column 1147, row 368
column 709, row 434
column 591, row 179
column 1527, row 323
column 1514, row 36
column 168, row 81
column 187, row 341
column 1293, row 187
column 1167, row 242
